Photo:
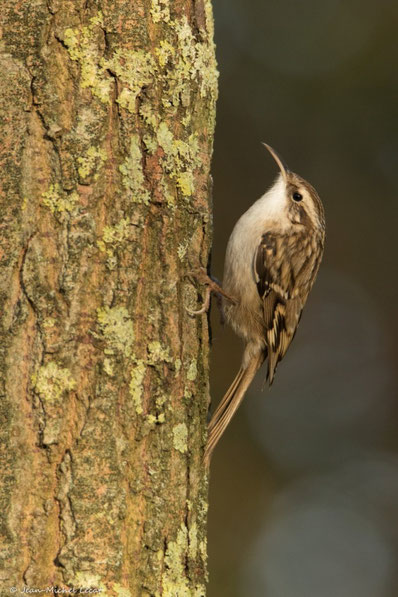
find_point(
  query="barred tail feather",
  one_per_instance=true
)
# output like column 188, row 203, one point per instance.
column 230, row 403
column 226, row 399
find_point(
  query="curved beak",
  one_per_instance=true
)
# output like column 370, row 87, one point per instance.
column 282, row 165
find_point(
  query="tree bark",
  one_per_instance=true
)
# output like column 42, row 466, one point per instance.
column 105, row 142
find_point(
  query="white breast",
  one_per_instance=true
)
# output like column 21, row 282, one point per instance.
column 266, row 214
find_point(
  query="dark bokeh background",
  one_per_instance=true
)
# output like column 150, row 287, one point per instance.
column 304, row 485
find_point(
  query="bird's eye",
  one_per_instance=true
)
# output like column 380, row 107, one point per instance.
column 297, row 196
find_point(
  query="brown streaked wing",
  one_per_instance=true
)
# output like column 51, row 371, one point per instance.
column 281, row 274
column 263, row 257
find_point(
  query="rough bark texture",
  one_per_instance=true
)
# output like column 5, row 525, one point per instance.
column 107, row 117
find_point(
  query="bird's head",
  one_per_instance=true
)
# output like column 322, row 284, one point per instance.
column 299, row 198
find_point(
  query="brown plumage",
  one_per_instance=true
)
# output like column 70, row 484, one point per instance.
column 271, row 262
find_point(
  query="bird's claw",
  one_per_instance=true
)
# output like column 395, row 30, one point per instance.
column 205, row 306
column 211, row 286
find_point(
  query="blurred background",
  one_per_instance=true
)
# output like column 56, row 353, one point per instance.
column 304, row 485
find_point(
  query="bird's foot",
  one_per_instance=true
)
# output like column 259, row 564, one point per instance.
column 212, row 285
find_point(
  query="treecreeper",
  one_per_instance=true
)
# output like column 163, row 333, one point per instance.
column 272, row 259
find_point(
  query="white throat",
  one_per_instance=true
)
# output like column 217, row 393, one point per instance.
column 273, row 202
column 270, row 209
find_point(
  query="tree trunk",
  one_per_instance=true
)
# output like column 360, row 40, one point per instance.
column 105, row 142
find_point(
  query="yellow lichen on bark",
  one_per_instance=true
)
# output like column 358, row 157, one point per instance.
column 106, row 143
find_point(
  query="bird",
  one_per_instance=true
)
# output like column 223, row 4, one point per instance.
column 271, row 262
